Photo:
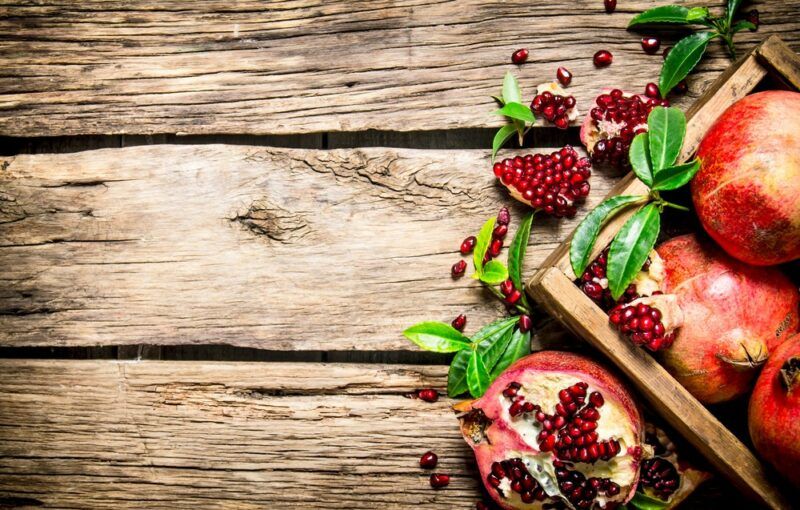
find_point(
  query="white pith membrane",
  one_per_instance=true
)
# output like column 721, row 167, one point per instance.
column 614, row 423
column 555, row 89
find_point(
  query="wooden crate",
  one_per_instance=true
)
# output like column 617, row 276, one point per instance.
column 553, row 287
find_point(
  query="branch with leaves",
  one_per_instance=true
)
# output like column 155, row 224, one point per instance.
column 481, row 358
column 520, row 116
column 686, row 54
column 653, row 156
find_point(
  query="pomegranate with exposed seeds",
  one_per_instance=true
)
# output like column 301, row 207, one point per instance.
column 556, row 428
column 553, row 104
column 746, row 190
column 774, row 412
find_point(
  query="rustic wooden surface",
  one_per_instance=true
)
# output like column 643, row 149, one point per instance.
column 290, row 67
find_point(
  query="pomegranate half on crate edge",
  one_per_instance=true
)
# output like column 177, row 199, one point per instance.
column 555, row 426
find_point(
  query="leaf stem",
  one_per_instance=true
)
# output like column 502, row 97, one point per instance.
column 674, row 206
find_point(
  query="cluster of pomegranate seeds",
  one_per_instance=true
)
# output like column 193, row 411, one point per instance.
column 603, row 58
column 519, row 56
column 428, row 395
column 593, row 283
column 510, row 293
column 554, row 107
column 459, row 322
column 551, row 183
column 520, row 480
column 629, row 116
column 579, row 490
column 610, row 5
column 428, row 460
column 518, row 405
column 660, row 475
column 564, row 76
column 650, row 45
column 439, row 480
column 642, row 323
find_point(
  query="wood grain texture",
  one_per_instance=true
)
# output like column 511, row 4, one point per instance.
column 225, row 435
column 204, row 67
column 278, row 249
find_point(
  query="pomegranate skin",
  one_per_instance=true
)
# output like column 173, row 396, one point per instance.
column 733, row 314
column 746, row 190
column 774, row 414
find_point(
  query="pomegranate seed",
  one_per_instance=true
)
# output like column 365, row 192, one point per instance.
column 459, row 322
column 458, row 269
column 651, row 91
column 480, row 505
column 500, row 232
column 596, row 399
column 495, row 247
column 681, row 88
column 467, row 245
column 564, row 76
column 752, row 17
column 439, row 480
column 428, row 460
column 603, row 58
column 610, row 5
column 519, row 56
column 513, row 297
column 666, row 52
column 428, row 395
column 503, row 216
column 525, row 323
column 650, row 45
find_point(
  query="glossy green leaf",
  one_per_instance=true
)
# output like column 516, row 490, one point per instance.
column 437, row 337
column 477, row 375
column 511, row 91
column 493, row 349
column 677, row 176
column 681, row 60
column 642, row 501
column 639, row 156
column 494, row 273
column 661, row 14
column 666, row 129
column 631, row 247
column 733, row 6
column 516, row 111
column 487, row 337
column 697, row 14
column 742, row 25
column 518, row 346
column 501, row 137
column 482, row 244
column 580, row 247
column 516, row 253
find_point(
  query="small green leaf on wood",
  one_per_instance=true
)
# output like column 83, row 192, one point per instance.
column 516, row 111
column 661, row 14
column 477, row 375
column 501, row 137
column 580, row 248
column 639, row 156
column 519, row 346
column 682, row 58
column 742, row 25
column 482, row 244
column 437, row 337
column 487, row 339
column 677, row 176
column 666, row 130
column 494, row 273
column 631, row 247
column 516, row 253
column 511, row 91
column 697, row 14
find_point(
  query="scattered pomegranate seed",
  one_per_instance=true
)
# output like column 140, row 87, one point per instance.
column 666, row 52
column 467, row 245
column 495, row 247
column 651, row 90
column 459, row 322
column 480, row 505
column 681, row 88
column 458, row 269
column 506, row 287
column 500, row 232
column 428, row 460
column 650, row 45
column 752, row 17
column 513, row 297
column 503, row 217
column 525, row 323
column 439, row 480
column 564, row 76
column 428, row 395
column 603, row 58
column 520, row 56
column 610, row 5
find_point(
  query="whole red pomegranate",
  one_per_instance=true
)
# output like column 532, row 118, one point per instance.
column 556, row 427
column 733, row 316
column 774, row 413
column 746, row 192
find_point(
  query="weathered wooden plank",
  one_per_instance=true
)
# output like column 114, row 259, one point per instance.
column 308, row 66
column 96, row 434
column 281, row 249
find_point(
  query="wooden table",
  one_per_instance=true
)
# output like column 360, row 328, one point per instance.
column 217, row 217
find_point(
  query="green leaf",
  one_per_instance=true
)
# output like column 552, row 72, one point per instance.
column 482, row 244
column 511, row 91
column 494, row 272
column 733, row 6
column 639, row 156
column 516, row 111
column 487, row 337
column 580, row 248
column 662, row 14
column 666, row 128
column 477, row 375
column 741, row 25
column 519, row 346
column 493, row 349
column 501, row 137
column 696, row 14
column 516, row 253
column 681, row 60
column 630, row 248
column 437, row 337
column 642, row 501
column 676, row 176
